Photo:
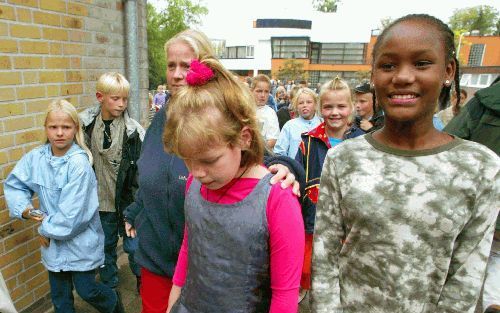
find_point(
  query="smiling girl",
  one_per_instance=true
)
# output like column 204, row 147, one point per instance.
column 406, row 214
column 337, row 111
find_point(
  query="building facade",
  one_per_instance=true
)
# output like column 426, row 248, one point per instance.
column 274, row 43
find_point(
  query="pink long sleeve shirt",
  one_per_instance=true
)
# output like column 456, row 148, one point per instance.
column 286, row 240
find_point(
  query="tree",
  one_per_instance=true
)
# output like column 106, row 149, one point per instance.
column 384, row 22
column 326, row 6
column 291, row 70
column 483, row 18
column 161, row 26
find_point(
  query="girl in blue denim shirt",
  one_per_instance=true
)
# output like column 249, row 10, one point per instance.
column 70, row 232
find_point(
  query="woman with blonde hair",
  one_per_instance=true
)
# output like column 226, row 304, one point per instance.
column 157, row 215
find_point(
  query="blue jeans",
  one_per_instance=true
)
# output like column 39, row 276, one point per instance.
column 100, row 296
column 109, row 271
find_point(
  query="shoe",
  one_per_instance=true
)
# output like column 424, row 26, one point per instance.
column 302, row 294
column 493, row 309
column 138, row 284
column 119, row 305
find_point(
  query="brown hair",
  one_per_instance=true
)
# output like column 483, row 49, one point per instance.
column 213, row 113
column 261, row 78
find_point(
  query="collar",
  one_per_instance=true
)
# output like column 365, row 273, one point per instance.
column 89, row 115
column 320, row 133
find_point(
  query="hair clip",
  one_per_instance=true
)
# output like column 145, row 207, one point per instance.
column 198, row 74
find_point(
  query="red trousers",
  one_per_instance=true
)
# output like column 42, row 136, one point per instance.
column 155, row 290
column 305, row 280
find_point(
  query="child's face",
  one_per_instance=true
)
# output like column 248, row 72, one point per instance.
column 61, row 131
column 409, row 71
column 336, row 109
column 363, row 103
column 112, row 105
column 215, row 167
column 161, row 89
column 306, row 106
column 261, row 93
column 178, row 62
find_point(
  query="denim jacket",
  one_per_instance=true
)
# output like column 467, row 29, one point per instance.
column 67, row 190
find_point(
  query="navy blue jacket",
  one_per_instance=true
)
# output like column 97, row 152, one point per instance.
column 311, row 154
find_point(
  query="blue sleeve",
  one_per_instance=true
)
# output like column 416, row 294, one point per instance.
column 283, row 143
column 134, row 209
column 76, row 207
column 17, row 190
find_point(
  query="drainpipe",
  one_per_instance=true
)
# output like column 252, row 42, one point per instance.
column 132, row 58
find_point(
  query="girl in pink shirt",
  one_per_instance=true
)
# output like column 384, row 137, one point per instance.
column 243, row 246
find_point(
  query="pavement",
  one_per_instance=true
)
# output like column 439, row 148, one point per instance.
column 130, row 297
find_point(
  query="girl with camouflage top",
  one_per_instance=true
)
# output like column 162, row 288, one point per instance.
column 406, row 214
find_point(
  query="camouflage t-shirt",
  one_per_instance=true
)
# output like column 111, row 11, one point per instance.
column 403, row 231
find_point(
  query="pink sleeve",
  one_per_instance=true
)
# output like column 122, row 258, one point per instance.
column 286, row 231
column 182, row 261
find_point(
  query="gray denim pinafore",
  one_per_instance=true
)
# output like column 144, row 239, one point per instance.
column 228, row 267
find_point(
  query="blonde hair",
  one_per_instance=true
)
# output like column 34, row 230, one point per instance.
column 213, row 113
column 66, row 107
column 261, row 78
column 304, row 91
column 337, row 84
column 196, row 40
column 112, row 82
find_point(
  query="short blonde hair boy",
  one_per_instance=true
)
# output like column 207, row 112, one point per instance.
column 112, row 83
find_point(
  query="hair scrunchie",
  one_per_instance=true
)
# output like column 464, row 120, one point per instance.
column 198, row 74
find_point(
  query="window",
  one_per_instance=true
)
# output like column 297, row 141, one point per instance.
column 342, row 53
column 239, row 52
column 313, row 77
column 484, row 80
column 290, row 48
column 464, row 81
column 315, row 49
column 476, row 55
column 250, row 51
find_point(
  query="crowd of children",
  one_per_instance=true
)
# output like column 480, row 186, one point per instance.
column 394, row 215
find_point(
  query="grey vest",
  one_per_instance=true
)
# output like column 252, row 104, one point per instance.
column 228, row 268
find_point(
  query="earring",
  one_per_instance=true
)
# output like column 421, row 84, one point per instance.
column 447, row 83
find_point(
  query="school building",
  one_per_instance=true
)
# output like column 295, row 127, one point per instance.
column 51, row 49
column 274, row 42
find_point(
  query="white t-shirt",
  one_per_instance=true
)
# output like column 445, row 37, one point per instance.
column 268, row 120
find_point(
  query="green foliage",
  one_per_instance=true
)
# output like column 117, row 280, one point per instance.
column 161, row 26
column 483, row 18
column 384, row 22
column 326, row 6
column 291, row 70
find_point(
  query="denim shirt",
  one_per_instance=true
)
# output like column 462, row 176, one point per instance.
column 67, row 190
column 290, row 136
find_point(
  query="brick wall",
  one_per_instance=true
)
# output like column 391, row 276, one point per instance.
column 50, row 49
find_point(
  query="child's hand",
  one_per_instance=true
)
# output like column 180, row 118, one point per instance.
column 283, row 174
column 130, row 230
column 29, row 214
column 44, row 241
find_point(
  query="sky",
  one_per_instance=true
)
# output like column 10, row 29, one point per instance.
column 353, row 21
